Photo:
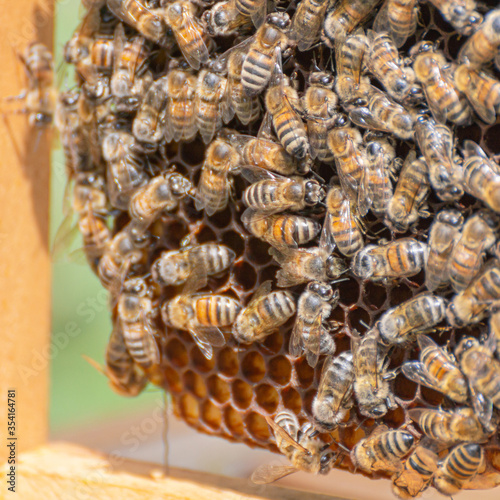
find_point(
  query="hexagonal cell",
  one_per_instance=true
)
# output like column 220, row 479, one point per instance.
column 253, row 366
column 211, row 414
column 291, row 399
column 267, row 397
column 221, row 219
column 257, row 427
column 280, row 370
column 195, row 384
column 177, row 353
column 308, row 400
column 242, row 393
column 227, row 362
column 234, row 241
column 359, row 318
column 374, row 294
column 173, row 380
column 218, row 389
column 305, row 373
column 258, row 251
column 274, row 342
column 200, row 362
column 189, row 408
column 234, row 421
column 245, row 275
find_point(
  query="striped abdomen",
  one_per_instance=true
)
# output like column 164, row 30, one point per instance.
column 478, row 49
column 256, row 71
column 102, row 55
column 248, row 7
column 479, row 177
column 307, row 22
column 402, row 18
column 140, row 343
column 272, row 311
column 403, row 258
column 95, row 234
column 291, row 131
column 292, row 230
column 384, row 57
column 182, row 117
column 395, row 443
column 464, row 264
column 345, row 232
column 212, row 257
column 317, row 131
column 215, row 310
column 444, row 371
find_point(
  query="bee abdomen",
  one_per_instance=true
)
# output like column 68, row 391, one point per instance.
column 256, row 72
column 277, row 307
column 216, row 310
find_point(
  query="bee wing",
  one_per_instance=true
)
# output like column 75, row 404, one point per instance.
column 381, row 22
column 185, row 37
column 204, row 346
column 225, row 108
column 438, row 114
column 260, row 14
column 285, row 279
column 264, row 289
column 363, row 117
column 486, row 112
column 64, row 238
column 470, row 148
column 253, row 174
column 119, row 43
column 313, row 342
column 326, row 240
column 483, row 407
column 347, row 181
column 268, row 473
column 150, row 340
column 198, row 276
column 347, row 218
column 296, row 343
column 416, row 371
column 209, row 335
column 279, row 431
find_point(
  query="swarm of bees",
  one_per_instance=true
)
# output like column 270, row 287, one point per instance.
column 297, row 227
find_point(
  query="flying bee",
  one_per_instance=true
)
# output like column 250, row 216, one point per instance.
column 483, row 372
column 472, row 304
column 343, row 18
column 449, row 427
column 284, row 107
column 309, row 334
column 445, row 171
column 482, row 46
column 460, row 14
column 416, row 474
column 460, row 465
column 212, row 106
column 481, row 176
column 371, row 382
column 379, row 113
column 412, row 189
column 334, row 396
column 266, row 47
column 396, row 259
column 307, row 23
column 135, row 310
column 221, row 160
column 398, row 18
column 148, row 124
column 386, row 65
column 320, row 106
column 224, row 19
column 467, row 256
column 272, row 193
column 376, row 186
column 300, row 445
column 341, row 227
column 445, row 101
column 265, row 312
column 481, row 90
column 280, row 230
column 188, row 31
column 175, row 267
column 437, row 369
column 350, row 60
column 254, row 9
column 161, row 193
column 400, row 324
column 383, row 450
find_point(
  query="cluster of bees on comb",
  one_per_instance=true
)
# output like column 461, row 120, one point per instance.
column 296, row 229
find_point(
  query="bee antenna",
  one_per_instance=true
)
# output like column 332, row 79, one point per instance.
column 94, row 363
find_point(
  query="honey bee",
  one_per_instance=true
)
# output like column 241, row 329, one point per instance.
column 467, row 255
column 320, row 106
column 460, row 465
column 307, row 22
column 299, row 444
column 371, row 383
column 135, row 309
column 386, row 65
column 482, row 46
column 494, row 324
column 396, row 259
column 481, row 176
column 483, row 372
column 255, row 9
column 460, row 14
column 383, row 450
column 125, row 169
column 472, row 304
column 188, row 32
column 272, row 193
column 265, row 312
column 400, row 324
column 212, row 106
column 445, row 171
column 343, row 18
column 350, row 58
column 125, row 378
column 224, row 19
column 438, row 370
column 148, row 124
column 416, row 474
column 408, row 201
column 341, row 226
column 379, row 113
column 481, row 90
column 266, row 47
column 309, row 334
column 181, row 112
column 449, row 427
column 444, row 234
column 334, row 396
column 398, row 18
column 284, row 107
column 443, row 98
column 175, row 267
column 280, row 230
column 161, row 193
column 221, row 160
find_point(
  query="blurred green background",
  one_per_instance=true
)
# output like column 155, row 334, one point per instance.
column 80, row 395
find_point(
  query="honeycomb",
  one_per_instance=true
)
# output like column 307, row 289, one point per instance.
column 230, row 394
